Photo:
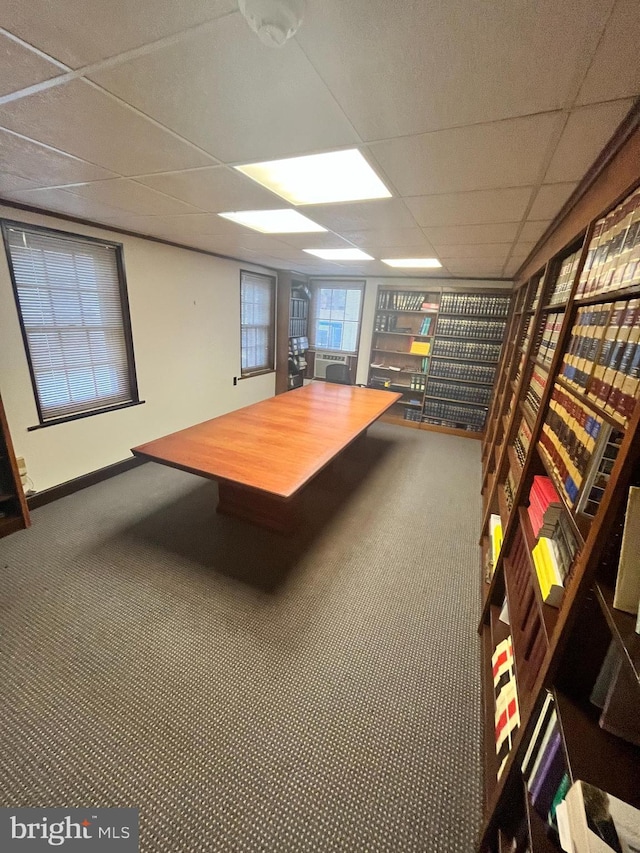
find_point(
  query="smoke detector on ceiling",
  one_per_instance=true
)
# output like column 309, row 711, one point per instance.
column 273, row 21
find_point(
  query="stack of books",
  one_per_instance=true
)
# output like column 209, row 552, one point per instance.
column 475, row 304
column 562, row 286
column 550, row 335
column 507, row 713
column 544, row 506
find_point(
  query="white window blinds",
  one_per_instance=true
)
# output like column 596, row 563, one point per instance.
column 69, row 296
column 257, row 321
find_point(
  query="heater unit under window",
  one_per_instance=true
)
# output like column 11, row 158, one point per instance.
column 323, row 360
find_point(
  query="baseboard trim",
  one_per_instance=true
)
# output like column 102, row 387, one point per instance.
column 47, row 496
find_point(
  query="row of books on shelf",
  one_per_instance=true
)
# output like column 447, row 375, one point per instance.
column 510, row 487
column 522, row 441
column 537, row 384
column 507, row 712
column 475, row 303
column 412, row 415
column 603, row 356
column 297, row 328
column 489, row 330
column 467, row 350
column 464, row 393
column 564, row 281
column 549, row 337
column 391, row 323
column 536, row 291
column 298, row 308
column 453, row 412
column 463, row 372
column 600, row 472
column 524, row 344
column 568, row 438
column 557, row 544
column 406, row 300
column 613, row 257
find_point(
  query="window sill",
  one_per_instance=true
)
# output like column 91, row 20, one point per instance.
column 256, row 373
column 79, row 415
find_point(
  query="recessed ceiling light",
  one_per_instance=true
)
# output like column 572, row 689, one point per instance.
column 273, row 221
column 339, row 254
column 319, row 178
column 422, row 263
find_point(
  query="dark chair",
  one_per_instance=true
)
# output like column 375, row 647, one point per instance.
column 338, row 373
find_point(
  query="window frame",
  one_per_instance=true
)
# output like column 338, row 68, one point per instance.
column 317, row 284
column 260, row 371
column 5, row 225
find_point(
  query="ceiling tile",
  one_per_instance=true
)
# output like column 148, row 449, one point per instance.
column 215, row 189
column 495, row 233
column 232, row 96
column 587, row 131
column 315, row 240
column 615, row 71
column 383, row 213
column 514, row 265
column 476, row 268
column 78, row 32
column 471, row 250
column 404, row 68
column 14, row 183
column 44, row 166
column 484, row 156
column 550, row 199
column 423, row 251
column 472, row 208
column 62, row 201
column 132, row 197
column 21, row 67
column 387, row 237
column 532, row 230
column 111, row 136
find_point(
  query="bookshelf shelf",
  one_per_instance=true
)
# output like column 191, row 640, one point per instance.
column 540, row 426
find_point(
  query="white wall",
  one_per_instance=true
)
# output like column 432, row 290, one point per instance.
column 185, row 317
column 426, row 283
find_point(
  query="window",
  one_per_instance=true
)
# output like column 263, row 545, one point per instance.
column 72, row 302
column 335, row 313
column 257, row 322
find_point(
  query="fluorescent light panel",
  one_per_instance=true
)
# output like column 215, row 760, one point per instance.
column 274, row 221
column 415, row 263
column 339, row 254
column 319, row 178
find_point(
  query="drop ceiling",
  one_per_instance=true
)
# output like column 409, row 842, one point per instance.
column 480, row 117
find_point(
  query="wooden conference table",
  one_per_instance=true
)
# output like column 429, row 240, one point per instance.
column 263, row 455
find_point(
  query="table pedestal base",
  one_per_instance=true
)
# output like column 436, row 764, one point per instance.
column 259, row 508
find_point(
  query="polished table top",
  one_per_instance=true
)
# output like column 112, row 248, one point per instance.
column 276, row 445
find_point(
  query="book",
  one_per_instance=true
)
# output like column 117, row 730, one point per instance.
column 537, row 734
column 548, row 572
column 627, row 590
column 550, row 771
column 420, row 348
column 597, row 822
column 551, row 727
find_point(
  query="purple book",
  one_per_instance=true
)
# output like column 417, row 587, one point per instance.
column 549, row 775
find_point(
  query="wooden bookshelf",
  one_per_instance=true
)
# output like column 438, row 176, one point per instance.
column 14, row 513
column 564, row 407
column 443, row 347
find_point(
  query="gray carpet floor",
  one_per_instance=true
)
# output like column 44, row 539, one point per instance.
column 248, row 692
